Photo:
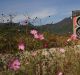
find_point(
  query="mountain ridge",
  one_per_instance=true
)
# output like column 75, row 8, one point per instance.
column 62, row 27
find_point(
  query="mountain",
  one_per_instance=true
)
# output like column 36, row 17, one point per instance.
column 11, row 33
column 62, row 27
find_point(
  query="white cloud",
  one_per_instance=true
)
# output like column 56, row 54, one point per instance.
column 40, row 14
column 19, row 18
column 43, row 13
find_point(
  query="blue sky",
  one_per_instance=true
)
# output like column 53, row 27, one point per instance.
column 56, row 9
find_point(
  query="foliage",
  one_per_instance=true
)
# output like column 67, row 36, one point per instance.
column 56, row 58
column 42, row 63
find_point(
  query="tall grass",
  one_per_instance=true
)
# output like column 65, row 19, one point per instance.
column 41, row 62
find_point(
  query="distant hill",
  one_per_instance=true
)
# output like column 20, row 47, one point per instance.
column 12, row 33
column 62, row 27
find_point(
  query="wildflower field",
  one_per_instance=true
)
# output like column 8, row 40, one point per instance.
column 39, row 53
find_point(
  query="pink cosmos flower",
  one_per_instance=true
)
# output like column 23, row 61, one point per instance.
column 14, row 64
column 33, row 32
column 39, row 36
column 73, row 37
column 36, row 36
column 60, row 73
column 62, row 50
column 21, row 46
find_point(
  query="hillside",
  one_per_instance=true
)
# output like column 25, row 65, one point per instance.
column 12, row 34
column 64, row 26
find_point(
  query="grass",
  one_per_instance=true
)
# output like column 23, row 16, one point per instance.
column 37, row 59
column 41, row 62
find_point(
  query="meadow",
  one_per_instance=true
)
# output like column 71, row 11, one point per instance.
column 27, row 51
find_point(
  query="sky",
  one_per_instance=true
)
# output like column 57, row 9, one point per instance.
column 47, row 11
